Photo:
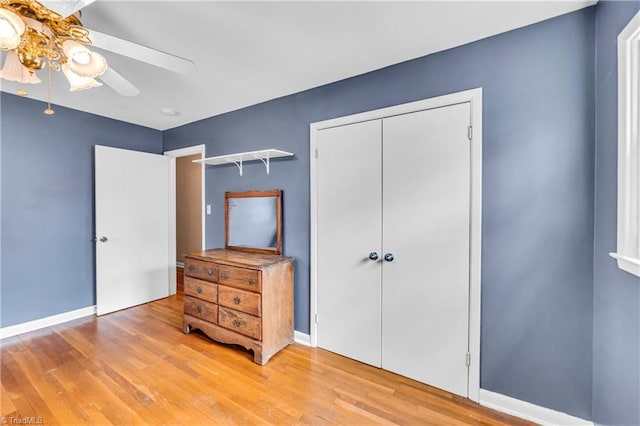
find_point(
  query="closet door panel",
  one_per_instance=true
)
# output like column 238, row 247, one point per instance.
column 349, row 228
column 426, row 199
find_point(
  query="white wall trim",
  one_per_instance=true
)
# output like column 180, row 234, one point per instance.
column 474, row 96
column 25, row 327
column 528, row 411
column 177, row 153
column 301, row 338
column 628, row 247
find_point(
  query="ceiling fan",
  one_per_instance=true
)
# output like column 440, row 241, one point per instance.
column 49, row 34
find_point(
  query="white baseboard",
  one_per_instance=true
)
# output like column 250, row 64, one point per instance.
column 528, row 411
column 25, row 327
column 301, row 338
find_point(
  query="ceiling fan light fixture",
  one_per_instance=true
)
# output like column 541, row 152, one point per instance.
column 11, row 29
column 78, row 82
column 13, row 70
column 82, row 57
column 83, row 61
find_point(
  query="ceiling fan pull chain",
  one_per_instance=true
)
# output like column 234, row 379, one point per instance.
column 49, row 111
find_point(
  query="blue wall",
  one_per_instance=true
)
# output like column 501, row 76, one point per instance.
column 551, row 299
column 47, row 205
column 539, row 109
column 616, row 339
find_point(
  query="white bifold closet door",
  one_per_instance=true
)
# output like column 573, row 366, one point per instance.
column 426, row 208
column 397, row 186
column 349, row 227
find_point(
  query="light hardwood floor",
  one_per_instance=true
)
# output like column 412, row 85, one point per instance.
column 137, row 367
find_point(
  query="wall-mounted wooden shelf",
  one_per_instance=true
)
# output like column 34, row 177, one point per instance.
column 238, row 159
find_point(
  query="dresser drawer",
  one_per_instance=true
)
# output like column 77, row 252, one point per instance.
column 203, row 270
column 201, row 289
column 248, row 279
column 240, row 322
column 240, row 300
column 201, row 309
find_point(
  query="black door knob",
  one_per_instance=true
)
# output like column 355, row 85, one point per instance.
column 373, row 255
column 389, row 257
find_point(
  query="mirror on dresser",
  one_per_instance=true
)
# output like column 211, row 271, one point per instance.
column 253, row 221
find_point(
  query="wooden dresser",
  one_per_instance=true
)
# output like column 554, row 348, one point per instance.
column 240, row 298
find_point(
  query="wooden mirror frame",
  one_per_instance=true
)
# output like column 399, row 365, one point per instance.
column 277, row 193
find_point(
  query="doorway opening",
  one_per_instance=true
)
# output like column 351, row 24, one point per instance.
column 187, row 224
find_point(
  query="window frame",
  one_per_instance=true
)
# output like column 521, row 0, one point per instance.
column 628, row 244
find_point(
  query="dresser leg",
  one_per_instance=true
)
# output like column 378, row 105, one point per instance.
column 257, row 357
column 187, row 328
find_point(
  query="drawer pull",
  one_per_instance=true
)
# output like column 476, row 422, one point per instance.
column 199, row 309
column 237, row 322
column 237, row 300
column 191, row 268
column 251, row 281
column 224, row 275
column 199, row 290
column 209, row 271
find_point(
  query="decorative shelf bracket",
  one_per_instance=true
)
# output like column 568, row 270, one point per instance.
column 265, row 161
column 237, row 163
column 238, row 159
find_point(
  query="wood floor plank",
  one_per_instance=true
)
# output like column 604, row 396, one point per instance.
column 136, row 366
column 26, row 399
column 6, row 402
column 81, row 398
column 240, row 389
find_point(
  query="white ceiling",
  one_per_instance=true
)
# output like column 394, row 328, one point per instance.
column 250, row 52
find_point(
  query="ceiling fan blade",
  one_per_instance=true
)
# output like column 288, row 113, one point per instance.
column 141, row 53
column 119, row 83
column 65, row 8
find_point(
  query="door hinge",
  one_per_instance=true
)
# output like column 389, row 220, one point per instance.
column 470, row 132
column 468, row 359
column 316, row 152
column 316, row 318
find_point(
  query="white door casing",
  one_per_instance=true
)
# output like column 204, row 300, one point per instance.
column 349, row 223
column 474, row 100
column 426, row 198
column 132, row 228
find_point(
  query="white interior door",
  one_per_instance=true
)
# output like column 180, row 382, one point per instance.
column 132, row 228
column 349, row 229
column 426, row 214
